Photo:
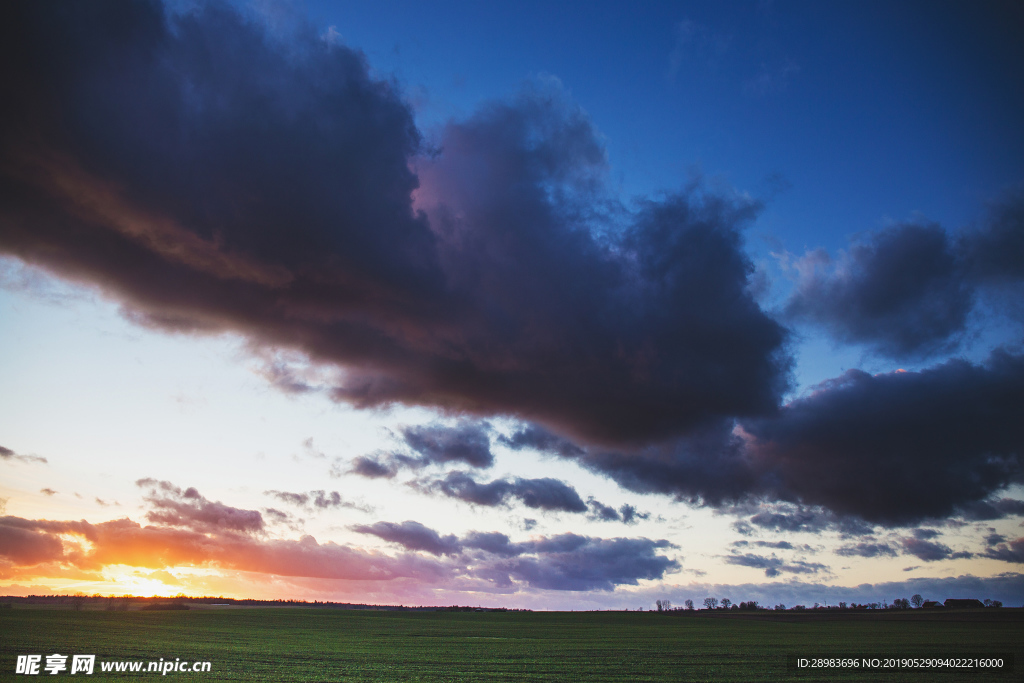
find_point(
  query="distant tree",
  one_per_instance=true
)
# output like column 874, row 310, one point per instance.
column 916, row 600
column 77, row 600
column 711, row 603
column 842, row 605
column 658, row 603
column 996, row 603
column 780, row 607
column 726, row 602
column 688, row 603
column 901, row 603
column 666, row 604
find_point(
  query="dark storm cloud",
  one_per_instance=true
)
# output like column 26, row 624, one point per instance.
column 985, row 510
column 995, row 251
column 901, row 290
column 212, row 179
column 860, row 450
column 774, row 566
column 543, row 494
column 907, row 291
column 8, row 454
column 899, row 447
column 177, row 507
column 412, row 536
column 709, row 465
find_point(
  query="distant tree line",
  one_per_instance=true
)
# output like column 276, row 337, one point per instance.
column 915, row 602
column 123, row 603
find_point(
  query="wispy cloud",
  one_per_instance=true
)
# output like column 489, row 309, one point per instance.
column 8, row 455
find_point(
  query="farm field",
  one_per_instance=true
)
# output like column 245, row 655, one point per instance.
column 309, row 644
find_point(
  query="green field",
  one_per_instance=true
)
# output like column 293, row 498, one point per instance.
column 307, row 644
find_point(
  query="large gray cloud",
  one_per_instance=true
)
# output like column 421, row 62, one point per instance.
column 901, row 290
column 211, row 178
column 907, row 291
column 897, row 447
column 859, row 450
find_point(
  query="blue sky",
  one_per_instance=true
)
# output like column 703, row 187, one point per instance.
column 867, row 112
column 525, row 305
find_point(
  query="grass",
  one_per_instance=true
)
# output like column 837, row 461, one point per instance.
column 276, row 644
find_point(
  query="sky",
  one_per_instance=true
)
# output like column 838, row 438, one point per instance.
column 571, row 306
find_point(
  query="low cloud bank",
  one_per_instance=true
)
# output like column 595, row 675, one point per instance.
column 188, row 529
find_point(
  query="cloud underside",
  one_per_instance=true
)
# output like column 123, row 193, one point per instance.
column 211, row 180
column 890, row 449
